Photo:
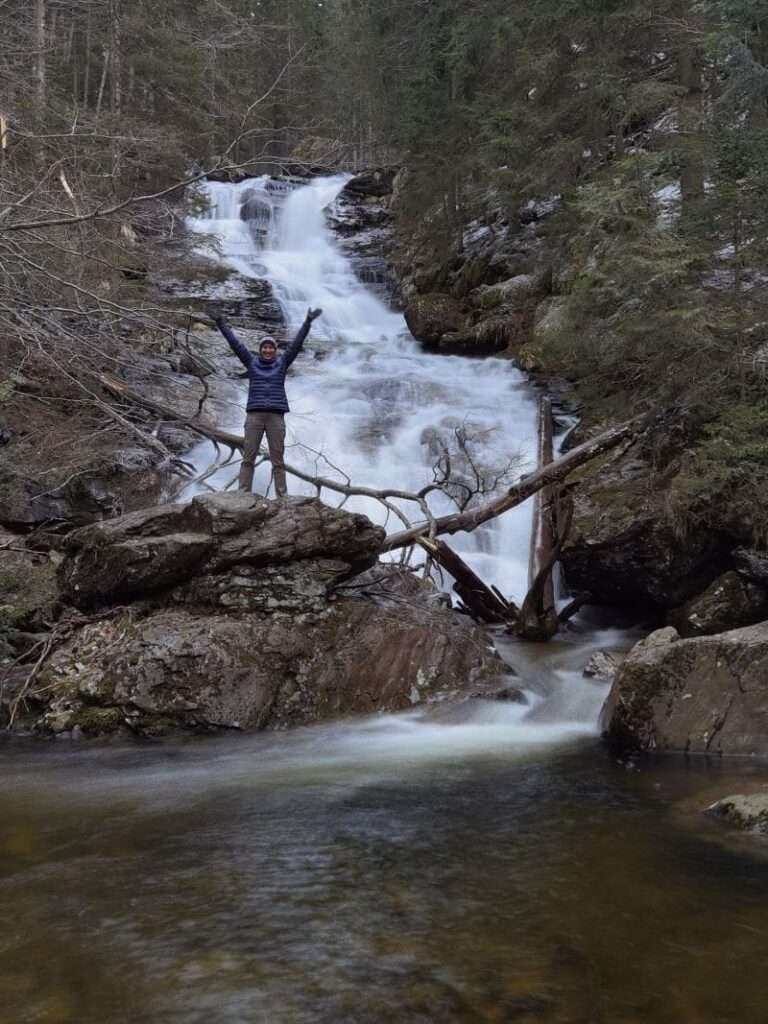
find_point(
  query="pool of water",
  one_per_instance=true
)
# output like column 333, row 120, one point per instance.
column 341, row 874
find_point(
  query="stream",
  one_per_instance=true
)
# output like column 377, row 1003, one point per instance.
column 491, row 865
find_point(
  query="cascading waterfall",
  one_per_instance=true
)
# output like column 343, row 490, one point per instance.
column 368, row 402
column 374, row 405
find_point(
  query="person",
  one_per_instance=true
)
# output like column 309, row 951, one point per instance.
column 267, row 402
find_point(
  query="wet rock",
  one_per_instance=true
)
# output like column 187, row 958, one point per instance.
column 199, row 669
column 160, row 548
column 623, row 547
column 431, row 316
column 705, row 694
column 752, row 564
column 514, row 292
column 377, row 181
column 602, row 665
column 748, row 811
column 727, row 603
column 504, row 693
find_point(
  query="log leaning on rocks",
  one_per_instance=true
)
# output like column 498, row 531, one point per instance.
column 479, row 599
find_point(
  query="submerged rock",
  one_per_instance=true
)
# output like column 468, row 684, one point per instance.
column 727, row 603
column 706, row 694
column 748, row 811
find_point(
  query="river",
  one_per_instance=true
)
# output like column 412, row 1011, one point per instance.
column 493, row 866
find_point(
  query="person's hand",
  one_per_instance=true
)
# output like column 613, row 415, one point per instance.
column 214, row 313
column 313, row 314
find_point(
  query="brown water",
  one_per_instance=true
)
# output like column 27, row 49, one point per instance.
column 494, row 866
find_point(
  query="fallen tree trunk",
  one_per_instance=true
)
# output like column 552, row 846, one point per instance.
column 479, row 599
column 527, row 486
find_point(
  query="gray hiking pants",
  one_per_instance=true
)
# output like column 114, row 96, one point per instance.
column 257, row 423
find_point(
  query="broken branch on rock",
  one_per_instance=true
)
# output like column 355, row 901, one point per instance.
column 481, row 601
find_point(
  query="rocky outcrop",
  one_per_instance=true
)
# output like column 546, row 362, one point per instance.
column 748, row 811
column 752, row 564
column 623, row 547
column 157, row 549
column 376, row 181
column 231, row 614
column 200, row 669
column 727, row 603
column 704, row 694
column 430, row 317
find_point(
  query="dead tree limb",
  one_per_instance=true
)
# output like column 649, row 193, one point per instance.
column 479, row 599
column 467, row 520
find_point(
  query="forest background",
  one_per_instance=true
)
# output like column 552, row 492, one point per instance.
column 642, row 126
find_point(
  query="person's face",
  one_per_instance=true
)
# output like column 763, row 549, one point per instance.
column 268, row 353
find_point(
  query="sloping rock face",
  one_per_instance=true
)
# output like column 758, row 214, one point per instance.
column 197, row 669
column 704, row 694
column 237, row 621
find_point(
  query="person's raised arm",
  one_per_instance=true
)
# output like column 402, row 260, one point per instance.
column 243, row 354
column 295, row 347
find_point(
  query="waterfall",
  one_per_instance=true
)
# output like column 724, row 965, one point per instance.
column 366, row 400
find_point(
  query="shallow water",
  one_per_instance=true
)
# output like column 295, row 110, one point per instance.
column 376, row 871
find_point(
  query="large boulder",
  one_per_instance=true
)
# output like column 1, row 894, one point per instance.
column 707, row 694
column 433, row 315
column 624, row 548
column 245, row 613
column 156, row 549
column 203, row 667
column 727, row 603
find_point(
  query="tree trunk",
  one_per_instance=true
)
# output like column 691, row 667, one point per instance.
column 40, row 13
column 479, row 599
column 115, row 43
column 103, row 82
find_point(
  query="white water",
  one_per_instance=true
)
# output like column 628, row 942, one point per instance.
column 365, row 399
column 370, row 403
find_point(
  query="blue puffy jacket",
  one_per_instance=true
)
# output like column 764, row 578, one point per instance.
column 266, row 387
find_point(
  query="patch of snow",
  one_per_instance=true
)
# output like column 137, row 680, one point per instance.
column 668, row 199
column 667, row 123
